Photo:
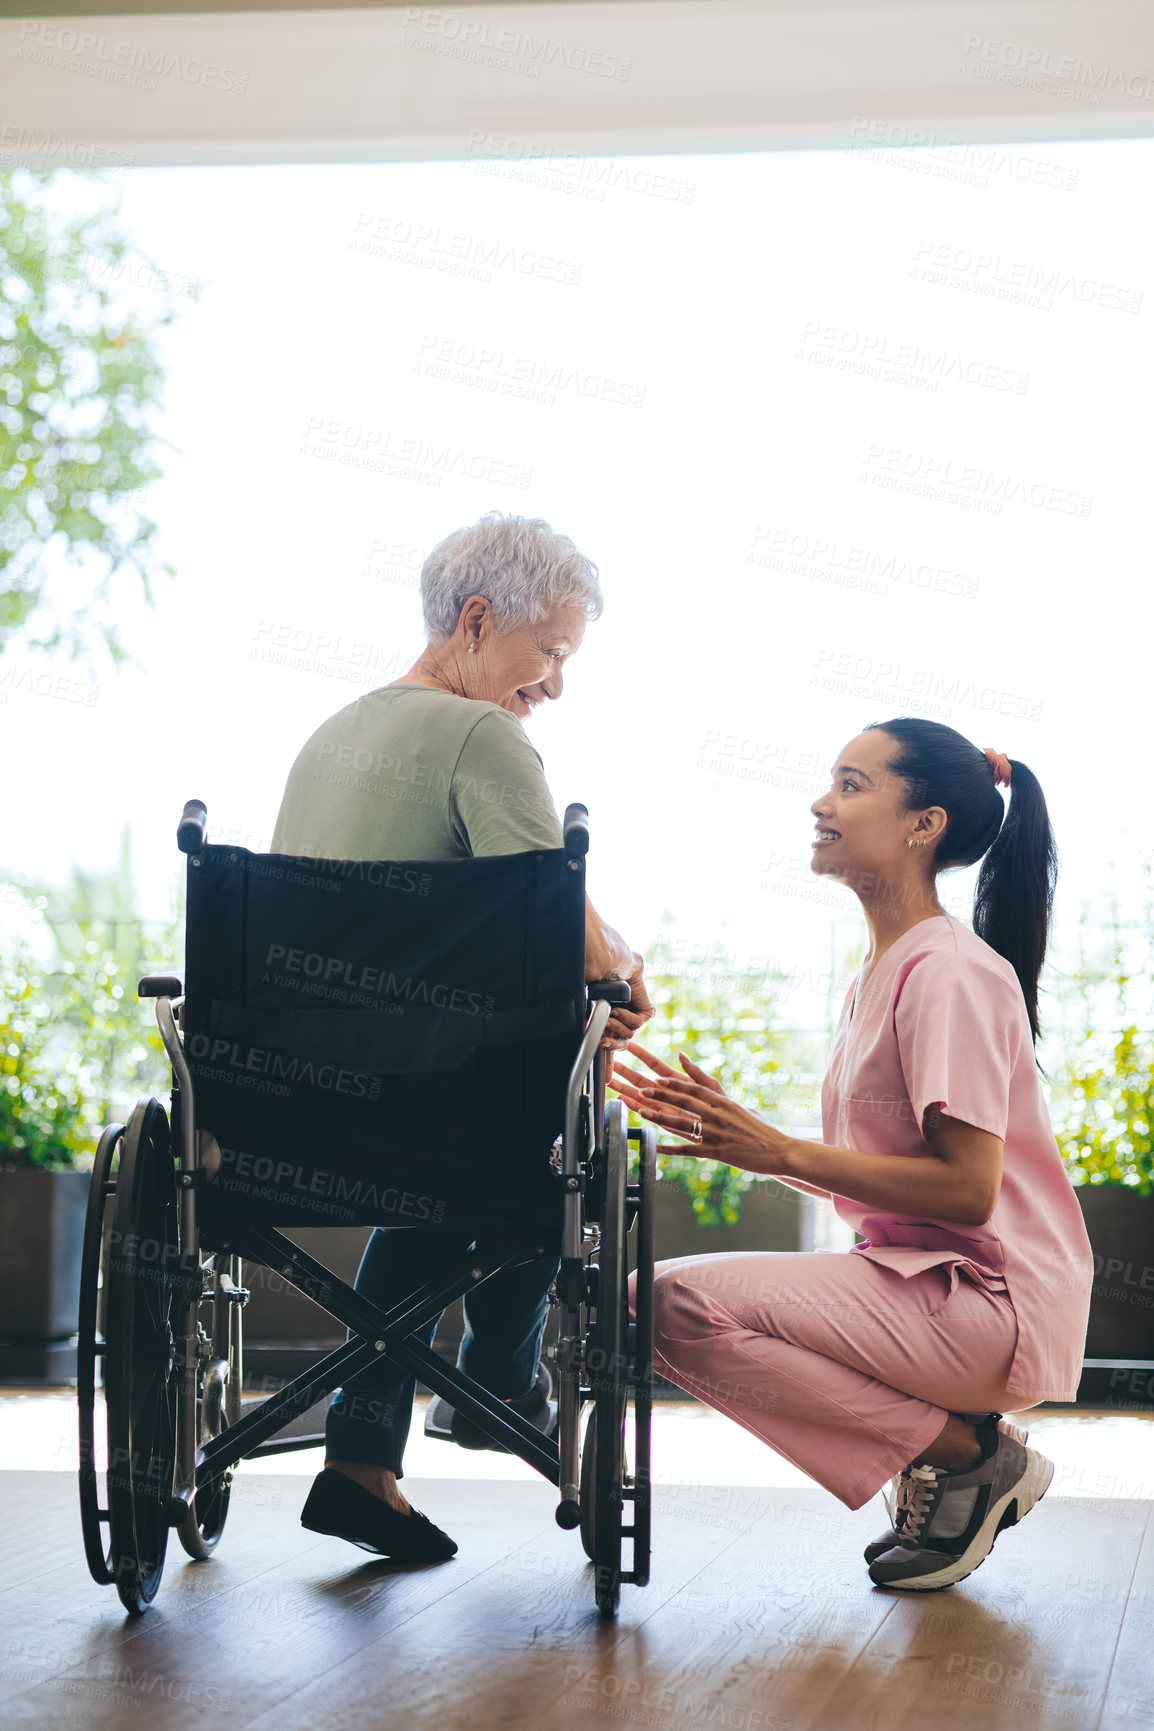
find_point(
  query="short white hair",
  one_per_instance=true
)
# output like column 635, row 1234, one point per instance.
column 522, row 567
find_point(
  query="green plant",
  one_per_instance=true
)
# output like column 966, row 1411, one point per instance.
column 79, row 376
column 1104, row 1086
column 45, row 1106
column 723, row 1018
column 121, row 1050
column 78, row 1045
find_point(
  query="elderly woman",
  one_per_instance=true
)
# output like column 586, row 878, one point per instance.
column 437, row 766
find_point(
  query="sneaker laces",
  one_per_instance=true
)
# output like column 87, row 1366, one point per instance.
column 914, row 1500
column 894, row 1497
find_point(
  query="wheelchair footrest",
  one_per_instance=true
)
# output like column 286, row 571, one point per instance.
column 285, row 1445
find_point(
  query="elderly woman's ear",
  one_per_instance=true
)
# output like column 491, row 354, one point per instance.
column 517, row 667
column 476, row 617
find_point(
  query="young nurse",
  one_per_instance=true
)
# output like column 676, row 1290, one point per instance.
column 969, row 1290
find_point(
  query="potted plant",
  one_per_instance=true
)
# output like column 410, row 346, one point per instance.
column 725, row 1019
column 45, row 1148
column 76, row 1048
column 1104, row 1112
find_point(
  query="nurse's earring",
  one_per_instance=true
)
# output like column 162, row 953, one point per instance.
column 910, row 842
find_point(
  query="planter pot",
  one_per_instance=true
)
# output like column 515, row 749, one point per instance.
column 1120, row 1225
column 772, row 1217
column 284, row 1333
column 41, row 1236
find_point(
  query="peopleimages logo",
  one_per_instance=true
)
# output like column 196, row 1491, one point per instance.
column 244, row 1061
column 376, row 982
column 282, row 1175
column 19, row 143
column 510, row 49
column 1040, row 68
column 119, row 62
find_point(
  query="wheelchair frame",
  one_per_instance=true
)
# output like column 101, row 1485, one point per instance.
column 177, row 1421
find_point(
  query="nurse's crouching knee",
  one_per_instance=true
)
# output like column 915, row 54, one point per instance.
column 681, row 1310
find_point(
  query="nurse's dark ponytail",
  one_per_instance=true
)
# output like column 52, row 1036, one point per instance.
column 1015, row 889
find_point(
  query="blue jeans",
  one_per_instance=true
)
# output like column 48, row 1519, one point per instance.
column 504, row 1321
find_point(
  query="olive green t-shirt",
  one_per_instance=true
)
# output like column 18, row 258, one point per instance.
column 409, row 773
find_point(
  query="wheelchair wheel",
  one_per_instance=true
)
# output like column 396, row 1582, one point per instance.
column 90, row 1348
column 588, row 1491
column 641, row 1354
column 607, row 1367
column 200, row 1532
column 639, row 1349
column 140, row 1371
column 218, row 1401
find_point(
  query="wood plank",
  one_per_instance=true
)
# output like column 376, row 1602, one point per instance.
column 1130, row 1685
column 40, row 1608
column 316, row 1601
column 511, row 1641
column 45, row 1515
column 757, row 1638
column 39, row 1613
column 1025, row 1641
column 39, row 1510
column 759, row 1616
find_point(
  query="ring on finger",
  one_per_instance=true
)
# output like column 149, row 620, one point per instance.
column 695, row 1130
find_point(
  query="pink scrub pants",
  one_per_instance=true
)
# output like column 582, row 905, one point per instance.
column 847, row 1368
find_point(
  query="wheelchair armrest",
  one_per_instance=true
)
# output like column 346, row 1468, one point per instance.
column 160, row 986
column 609, row 991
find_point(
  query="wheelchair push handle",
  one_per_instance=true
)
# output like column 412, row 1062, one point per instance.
column 192, row 827
column 576, row 830
column 608, row 991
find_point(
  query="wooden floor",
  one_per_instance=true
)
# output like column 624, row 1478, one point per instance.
column 759, row 1617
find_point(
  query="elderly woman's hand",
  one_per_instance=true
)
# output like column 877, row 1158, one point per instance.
column 625, row 1020
column 696, row 1106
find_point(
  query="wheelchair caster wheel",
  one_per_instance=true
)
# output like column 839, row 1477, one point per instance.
column 176, row 1512
column 568, row 1514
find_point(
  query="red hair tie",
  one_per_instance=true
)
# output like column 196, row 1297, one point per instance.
column 1000, row 766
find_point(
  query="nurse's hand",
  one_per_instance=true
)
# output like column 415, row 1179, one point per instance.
column 696, row 1106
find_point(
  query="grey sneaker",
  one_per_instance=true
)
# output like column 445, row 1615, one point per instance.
column 949, row 1521
column 445, row 1424
column 897, row 1497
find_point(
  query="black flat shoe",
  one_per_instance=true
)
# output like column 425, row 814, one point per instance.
column 340, row 1507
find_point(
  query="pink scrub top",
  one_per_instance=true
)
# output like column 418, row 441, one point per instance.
column 941, row 1019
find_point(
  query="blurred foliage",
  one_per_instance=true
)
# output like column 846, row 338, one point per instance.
column 724, row 1019
column 79, row 375
column 45, row 1106
column 77, row 1046
column 1103, row 1086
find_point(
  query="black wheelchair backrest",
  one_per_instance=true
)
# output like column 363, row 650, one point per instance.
column 383, row 1040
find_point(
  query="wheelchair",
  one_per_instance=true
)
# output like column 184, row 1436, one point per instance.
column 364, row 1043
